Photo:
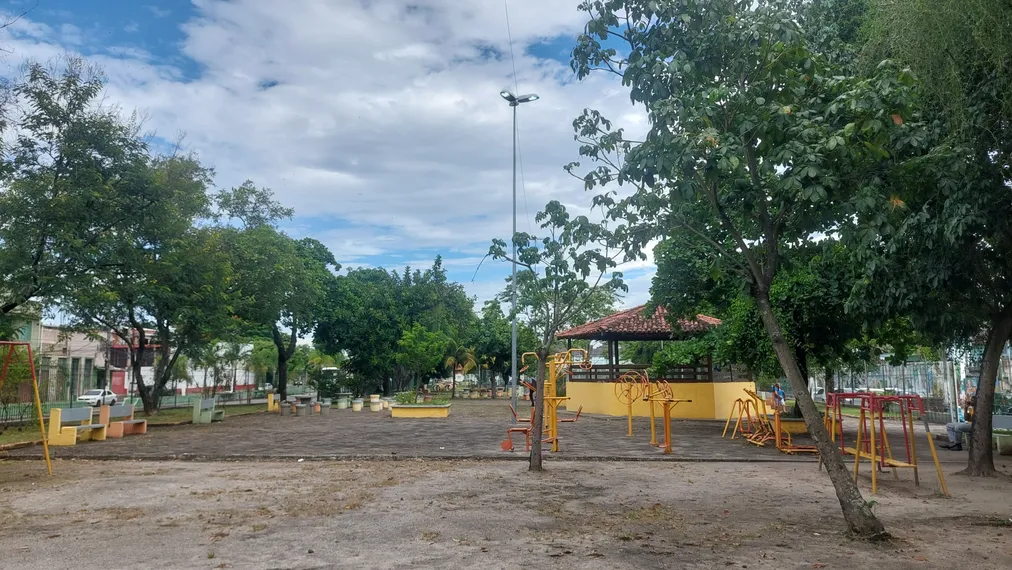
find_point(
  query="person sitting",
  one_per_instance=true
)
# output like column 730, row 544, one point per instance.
column 957, row 429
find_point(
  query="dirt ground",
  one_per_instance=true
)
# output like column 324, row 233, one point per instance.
column 464, row 514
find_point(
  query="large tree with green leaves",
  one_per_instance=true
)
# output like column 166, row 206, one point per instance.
column 943, row 253
column 70, row 183
column 364, row 320
column 420, row 351
column 282, row 283
column 757, row 142
column 165, row 285
column 566, row 277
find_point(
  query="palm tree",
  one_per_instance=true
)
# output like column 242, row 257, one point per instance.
column 461, row 357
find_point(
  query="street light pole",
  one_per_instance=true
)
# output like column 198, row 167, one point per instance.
column 513, row 280
column 514, row 102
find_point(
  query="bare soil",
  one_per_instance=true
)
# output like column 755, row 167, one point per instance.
column 465, row 514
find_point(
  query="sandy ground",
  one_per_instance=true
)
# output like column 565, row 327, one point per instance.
column 468, row 514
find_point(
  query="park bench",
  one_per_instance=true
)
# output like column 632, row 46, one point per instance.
column 204, row 412
column 119, row 421
column 67, row 426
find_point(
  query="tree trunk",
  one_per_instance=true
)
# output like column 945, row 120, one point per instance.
column 829, row 382
column 858, row 515
column 149, row 402
column 491, row 383
column 981, row 462
column 453, row 382
column 538, row 419
column 802, row 359
column 284, row 353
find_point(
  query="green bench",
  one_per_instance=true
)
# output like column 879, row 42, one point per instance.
column 204, row 412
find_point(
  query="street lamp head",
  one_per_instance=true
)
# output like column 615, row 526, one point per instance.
column 527, row 98
column 507, row 96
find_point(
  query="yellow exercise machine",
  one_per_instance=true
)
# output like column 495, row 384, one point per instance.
column 555, row 366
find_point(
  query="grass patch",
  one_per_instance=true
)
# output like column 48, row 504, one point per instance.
column 176, row 415
column 16, row 435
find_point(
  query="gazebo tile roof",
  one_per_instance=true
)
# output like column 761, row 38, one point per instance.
column 634, row 322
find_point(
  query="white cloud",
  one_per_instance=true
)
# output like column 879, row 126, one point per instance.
column 383, row 127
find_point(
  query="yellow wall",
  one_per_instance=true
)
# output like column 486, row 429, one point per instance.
column 709, row 400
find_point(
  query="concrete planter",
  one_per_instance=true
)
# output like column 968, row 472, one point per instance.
column 420, row 411
column 356, row 405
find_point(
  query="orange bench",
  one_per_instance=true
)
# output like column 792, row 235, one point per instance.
column 125, row 425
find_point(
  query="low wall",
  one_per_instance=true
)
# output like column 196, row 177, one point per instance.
column 710, row 400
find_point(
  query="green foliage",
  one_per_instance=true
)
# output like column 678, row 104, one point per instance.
column 421, row 351
column 566, row 278
column 405, row 398
column 73, row 171
column 369, row 311
column 678, row 353
column 161, row 273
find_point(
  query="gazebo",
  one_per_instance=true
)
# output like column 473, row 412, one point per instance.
column 712, row 389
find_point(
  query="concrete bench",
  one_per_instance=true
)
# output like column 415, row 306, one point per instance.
column 204, row 412
column 119, row 421
column 68, row 426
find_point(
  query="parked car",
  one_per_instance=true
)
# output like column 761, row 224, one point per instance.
column 98, row 397
column 819, row 396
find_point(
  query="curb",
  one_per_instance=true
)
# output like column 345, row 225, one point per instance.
column 205, row 458
column 19, row 444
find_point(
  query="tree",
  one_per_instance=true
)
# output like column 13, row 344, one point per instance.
column 757, row 142
column 460, row 357
column 420, row 351
column 283, row 282
column 369, row 309
column 69, row 184
column 809, row 299
column 365, row 320
column 947, row 243
column 565, row 274
column 165, row 286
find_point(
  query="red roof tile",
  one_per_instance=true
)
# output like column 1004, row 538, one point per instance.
column 634, row 324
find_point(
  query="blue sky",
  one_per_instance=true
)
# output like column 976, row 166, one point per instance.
column 378, row 121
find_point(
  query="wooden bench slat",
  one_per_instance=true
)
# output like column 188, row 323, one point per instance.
column 91, row 426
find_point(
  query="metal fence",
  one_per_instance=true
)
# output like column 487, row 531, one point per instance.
column 60, row 386
column 944, row 385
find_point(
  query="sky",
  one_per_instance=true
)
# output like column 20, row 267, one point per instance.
column 378, row 121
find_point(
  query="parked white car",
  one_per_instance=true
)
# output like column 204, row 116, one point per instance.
column 819, row 396
column 98, row 398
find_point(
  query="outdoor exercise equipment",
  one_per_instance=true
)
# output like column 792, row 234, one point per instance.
column 872, row 441
column 660, row 392
column 555, row 366
column 753, row 422
column 13, row 355
column 629, row 389
column 764, row 429
column 746, row 418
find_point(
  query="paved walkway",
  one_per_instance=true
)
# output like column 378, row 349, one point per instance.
column 473, row 430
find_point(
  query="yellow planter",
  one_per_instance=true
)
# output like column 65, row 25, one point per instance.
column 793, row 426
column 424, row 411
